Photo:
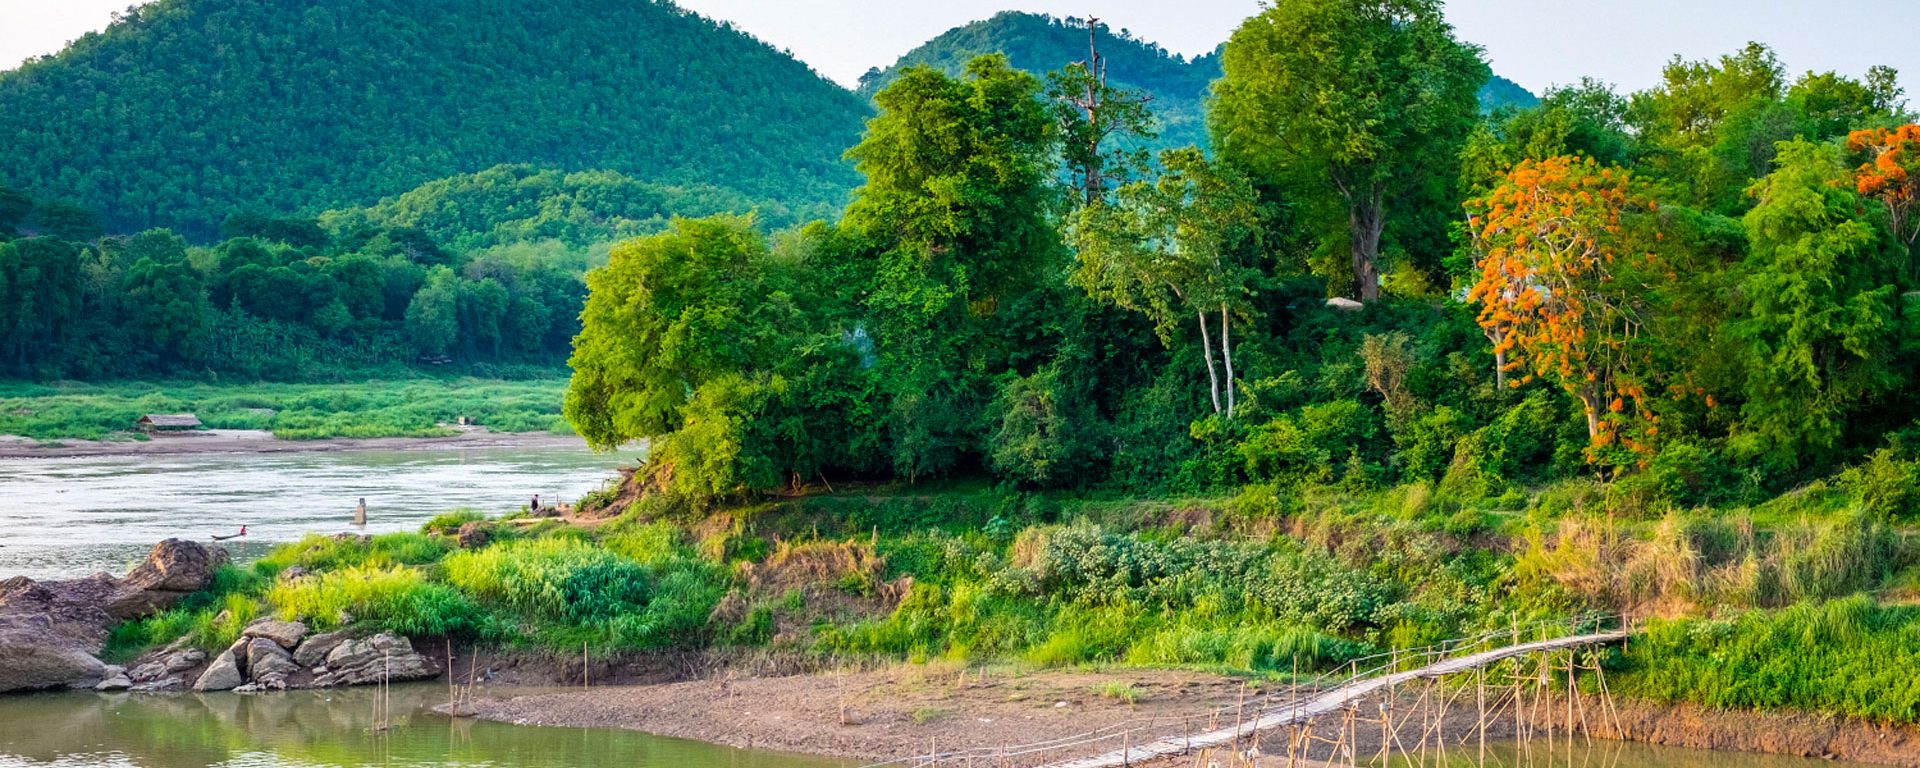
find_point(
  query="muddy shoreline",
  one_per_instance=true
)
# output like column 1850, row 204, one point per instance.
column 899, row 711
column 233, row 441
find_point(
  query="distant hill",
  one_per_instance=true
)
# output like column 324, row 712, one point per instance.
column 1040, row 43
column 510, row 204
column 185, row 110
column 1501, row 92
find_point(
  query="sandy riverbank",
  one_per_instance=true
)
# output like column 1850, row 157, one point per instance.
column 907, row 710
column 261, row 441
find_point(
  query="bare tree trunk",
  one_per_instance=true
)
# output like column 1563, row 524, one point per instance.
column 1226, row 352
column 1365, row 223
column 1206, row 349
column 1498, row 334
column 1591, row 399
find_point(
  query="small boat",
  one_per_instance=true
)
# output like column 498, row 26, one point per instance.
column 243, row 532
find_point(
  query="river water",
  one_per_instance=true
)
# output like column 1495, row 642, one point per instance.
column 312, row 729
column 65, row 518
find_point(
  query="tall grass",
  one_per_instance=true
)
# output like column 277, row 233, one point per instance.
column 1850, row 656
column 392, row 597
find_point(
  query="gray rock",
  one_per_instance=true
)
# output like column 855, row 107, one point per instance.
column 286, row 633
column 172, row 570
column 166, row 684
column 313, row 652
column 223, row 675
column 117, row 682
column 49, row 632
column 374, row 659
column 166, row 663
column 269, row 665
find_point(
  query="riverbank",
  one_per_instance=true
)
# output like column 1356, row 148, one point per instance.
column 904, row 710
column 251, row 441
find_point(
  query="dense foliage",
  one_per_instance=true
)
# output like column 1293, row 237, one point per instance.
column 186, row 110
column 284, row 299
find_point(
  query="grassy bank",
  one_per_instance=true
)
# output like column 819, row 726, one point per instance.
column 1788, row 604
column 403, row 408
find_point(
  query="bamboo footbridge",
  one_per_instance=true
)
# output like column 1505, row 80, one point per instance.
column 1235, row 730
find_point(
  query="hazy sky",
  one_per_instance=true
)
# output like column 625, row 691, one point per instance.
column 1535, row 42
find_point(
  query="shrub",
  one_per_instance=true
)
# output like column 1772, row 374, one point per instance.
column 551, row 578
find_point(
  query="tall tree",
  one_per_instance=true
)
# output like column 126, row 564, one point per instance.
column 1566, row 260
column 1890, row 175
column 957, row 222
column 1169, row 249
column 1357, row 99
column 1819, row 305
column 1093, row 116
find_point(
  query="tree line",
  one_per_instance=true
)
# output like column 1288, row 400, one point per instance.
column 272, row 298
column 1705, row 290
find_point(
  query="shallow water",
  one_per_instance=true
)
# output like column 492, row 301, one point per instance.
column 63, row 518
column 310, row 729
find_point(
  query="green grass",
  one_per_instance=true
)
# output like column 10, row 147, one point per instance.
column 406, row 408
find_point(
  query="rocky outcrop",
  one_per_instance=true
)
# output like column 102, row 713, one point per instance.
column 174, row 569
column 287, row 634
column 224, row 674
column 50, row 632
column 313, row 651
column 382, row 657
column 269, row 666
column 170, row 662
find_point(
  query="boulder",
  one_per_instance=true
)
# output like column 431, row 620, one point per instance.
column 313, row 652
column 173, row 569
column 166, row 663
column 269, row 665
column 473, row 534
column 286, row 633
column 115, row 679
column 382, row 657
column 168, row 684
column 49, row 633
column 223, row 674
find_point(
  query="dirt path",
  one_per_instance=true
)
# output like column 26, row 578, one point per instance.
column 259, row 441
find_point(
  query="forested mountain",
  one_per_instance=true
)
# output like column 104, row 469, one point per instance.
column 1040, row 43
column 186, row 110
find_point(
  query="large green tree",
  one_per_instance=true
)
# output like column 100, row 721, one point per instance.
column 956, row 226
column 1818, row 283
column 1353, row 104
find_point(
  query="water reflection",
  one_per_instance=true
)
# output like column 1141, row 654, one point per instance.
column 323, row 728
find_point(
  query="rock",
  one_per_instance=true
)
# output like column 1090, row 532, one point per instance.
column 293, row 573
column 1345, row 305
column 313, row 652
column 167, row 662
column 269, row 664
column 286, row 633
column 114, row 682
column 223, row 675
column 473, row 534
column 167, row 684
column 374, row 659
column 49, row 632
column 172, row 570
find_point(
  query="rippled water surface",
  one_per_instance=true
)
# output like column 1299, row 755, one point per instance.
column 312, row 729
column 72, row 517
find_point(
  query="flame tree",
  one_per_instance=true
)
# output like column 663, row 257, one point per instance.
column 1891, row 175
column 1566, row 257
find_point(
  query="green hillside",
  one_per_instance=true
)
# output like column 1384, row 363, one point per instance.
column 1040, row 43
column 186, row 110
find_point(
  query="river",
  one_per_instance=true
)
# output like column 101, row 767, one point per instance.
column 310, row 729
column 71, row 517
